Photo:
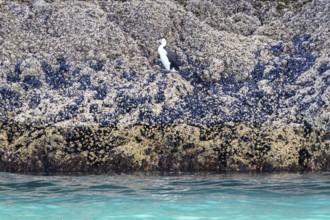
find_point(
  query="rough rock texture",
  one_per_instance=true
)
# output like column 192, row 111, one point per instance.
column 82, row 89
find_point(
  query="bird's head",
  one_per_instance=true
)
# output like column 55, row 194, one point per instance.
column 162, row 41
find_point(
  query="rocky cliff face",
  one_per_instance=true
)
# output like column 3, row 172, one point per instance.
column 82, row 89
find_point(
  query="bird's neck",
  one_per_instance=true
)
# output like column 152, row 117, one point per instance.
column 161, row 47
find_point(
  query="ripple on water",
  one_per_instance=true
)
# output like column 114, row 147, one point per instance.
column 201, row 196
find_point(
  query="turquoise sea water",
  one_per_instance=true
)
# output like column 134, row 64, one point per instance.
column 200, row 196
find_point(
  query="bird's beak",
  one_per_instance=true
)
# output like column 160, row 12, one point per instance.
column 159, row 41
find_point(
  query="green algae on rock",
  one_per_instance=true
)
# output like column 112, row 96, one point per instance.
column 231, row 147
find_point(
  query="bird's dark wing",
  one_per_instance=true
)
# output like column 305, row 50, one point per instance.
column 174, row 59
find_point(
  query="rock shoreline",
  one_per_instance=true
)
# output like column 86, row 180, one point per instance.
column 82, row 90
column 236, row 147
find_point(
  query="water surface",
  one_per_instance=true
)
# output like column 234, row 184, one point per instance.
column 200, row 196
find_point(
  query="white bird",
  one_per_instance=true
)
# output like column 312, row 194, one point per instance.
column 169, row 59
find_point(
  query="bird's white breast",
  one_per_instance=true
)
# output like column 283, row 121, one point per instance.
column 163, row 57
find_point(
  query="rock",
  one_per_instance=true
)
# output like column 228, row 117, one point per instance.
column 82, row 89
column 214, row 72
column 39, row 5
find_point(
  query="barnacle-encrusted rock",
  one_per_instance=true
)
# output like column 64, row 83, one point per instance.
column 82, row 89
